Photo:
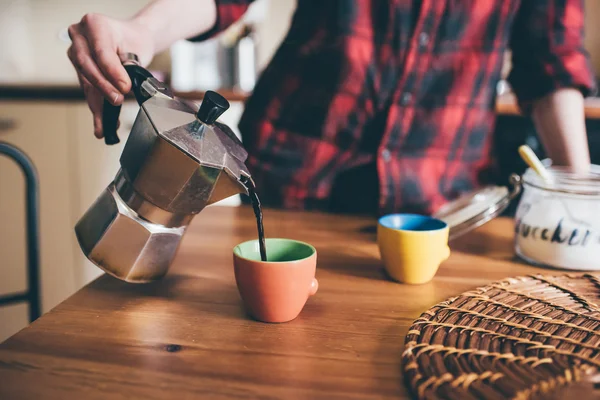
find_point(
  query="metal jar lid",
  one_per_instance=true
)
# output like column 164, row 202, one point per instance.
column 474, row 209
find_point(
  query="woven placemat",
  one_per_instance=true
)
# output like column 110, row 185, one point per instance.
column 527, row 337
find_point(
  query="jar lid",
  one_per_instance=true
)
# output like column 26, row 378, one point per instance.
column 474, row 209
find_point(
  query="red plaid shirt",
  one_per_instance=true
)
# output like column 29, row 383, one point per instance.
column 406, row 85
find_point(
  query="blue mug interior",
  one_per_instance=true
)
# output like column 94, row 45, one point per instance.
column 412, row 222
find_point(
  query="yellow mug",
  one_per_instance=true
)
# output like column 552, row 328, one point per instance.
column 412, row 247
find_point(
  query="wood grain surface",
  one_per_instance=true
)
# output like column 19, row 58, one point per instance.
column 188, row 336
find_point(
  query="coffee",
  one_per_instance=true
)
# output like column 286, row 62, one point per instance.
column 249, row 183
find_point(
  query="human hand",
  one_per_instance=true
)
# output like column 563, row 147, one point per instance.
column 97, row 41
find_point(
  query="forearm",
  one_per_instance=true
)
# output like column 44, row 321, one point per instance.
column 560, row 122
column 172, row 20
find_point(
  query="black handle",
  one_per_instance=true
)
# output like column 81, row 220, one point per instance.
column 110, row 113
column 213, row 105
column 110, row 119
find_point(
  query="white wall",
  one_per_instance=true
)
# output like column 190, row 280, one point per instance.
column 33, row 44
column 31, row 49
column 273, row 29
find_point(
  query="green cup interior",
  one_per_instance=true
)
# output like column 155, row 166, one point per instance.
column 278, row 250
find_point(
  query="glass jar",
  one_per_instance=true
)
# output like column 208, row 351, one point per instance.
column 558, row 224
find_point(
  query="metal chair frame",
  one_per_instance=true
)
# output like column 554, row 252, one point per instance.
column 32, row 294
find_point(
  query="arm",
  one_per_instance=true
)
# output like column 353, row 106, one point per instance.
column 197, row 20
column 560, row 121
column 551, row 75
column 97, row 41
column 167, row 21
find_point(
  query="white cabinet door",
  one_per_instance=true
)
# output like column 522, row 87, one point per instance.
column 41, row 131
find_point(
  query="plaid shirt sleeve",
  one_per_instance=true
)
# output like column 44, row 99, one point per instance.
column 547, row 50
column 228, row 12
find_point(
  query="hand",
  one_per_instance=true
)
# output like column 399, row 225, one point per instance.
column 97, row 41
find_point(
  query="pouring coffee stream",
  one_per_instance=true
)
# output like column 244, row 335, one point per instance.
column 259, row 216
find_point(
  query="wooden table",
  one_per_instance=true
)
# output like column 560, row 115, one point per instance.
column 188, row 336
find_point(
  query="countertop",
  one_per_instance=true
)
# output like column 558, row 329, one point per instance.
column 74, row 93
column 505, row 105
column 114, row 340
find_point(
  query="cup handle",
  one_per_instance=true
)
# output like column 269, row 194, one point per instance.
column 446, row 253
column 314, row 286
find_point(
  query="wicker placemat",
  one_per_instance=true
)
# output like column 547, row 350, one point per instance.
column 525, row 337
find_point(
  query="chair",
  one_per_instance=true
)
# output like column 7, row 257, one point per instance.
column 32, row 294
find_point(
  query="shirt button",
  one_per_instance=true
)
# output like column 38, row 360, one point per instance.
column 423, row 39
column 386, row 155
column 406, row 99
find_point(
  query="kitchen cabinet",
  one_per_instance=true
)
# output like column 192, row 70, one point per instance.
column 40, row 130
column 73, row 167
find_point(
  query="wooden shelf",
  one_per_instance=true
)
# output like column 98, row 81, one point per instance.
column 230, row 95
column 505, row 105
column 74, row 93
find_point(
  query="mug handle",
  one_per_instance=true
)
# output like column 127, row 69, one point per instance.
column 314, row 286
column 446, row 253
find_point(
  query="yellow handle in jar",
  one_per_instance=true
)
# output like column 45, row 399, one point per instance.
column 534, row 162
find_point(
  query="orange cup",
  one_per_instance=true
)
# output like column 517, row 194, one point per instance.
column 275, row 290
